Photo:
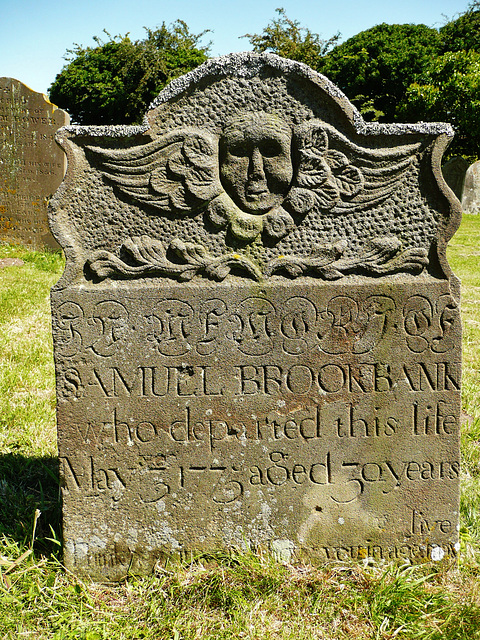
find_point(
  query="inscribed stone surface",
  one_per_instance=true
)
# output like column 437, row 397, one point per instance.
column 32, row 165
column 257, row 334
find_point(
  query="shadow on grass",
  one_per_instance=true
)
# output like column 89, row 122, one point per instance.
column 28, row 484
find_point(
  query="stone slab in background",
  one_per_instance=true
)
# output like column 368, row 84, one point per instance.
column 257, row 335
column 32, row 165
column 454, row 171
column 471, row 190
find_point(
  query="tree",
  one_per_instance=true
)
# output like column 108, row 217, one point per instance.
column 403, row 72
column 288, row 39
column 115, row 81
column 463, row 33
column 375, row 67
column 449, row 91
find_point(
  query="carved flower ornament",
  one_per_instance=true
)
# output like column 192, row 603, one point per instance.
column 255, row 178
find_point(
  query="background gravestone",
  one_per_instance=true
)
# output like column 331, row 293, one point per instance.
column 257, row 334
column 454, row 171
column 32, row 165
column 471, row 190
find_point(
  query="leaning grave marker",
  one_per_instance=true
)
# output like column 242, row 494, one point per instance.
column 32, row 165
column 257, row 334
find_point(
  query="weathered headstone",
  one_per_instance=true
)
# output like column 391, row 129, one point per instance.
column 32, row 165
column 257, row 335
column 471, row 189
column 454, row 171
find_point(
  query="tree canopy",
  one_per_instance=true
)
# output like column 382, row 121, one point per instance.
column 375, row 67
column 463, row 33
column 403, row 72
column 448, row 86
column 288, row 39
column 115, row 81
column 449, row 91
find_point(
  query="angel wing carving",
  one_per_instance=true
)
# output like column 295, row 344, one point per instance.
column 347, row 180
column 178, row 172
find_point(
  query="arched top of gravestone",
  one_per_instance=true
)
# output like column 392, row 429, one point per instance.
column 29, row 106
column 253, row 166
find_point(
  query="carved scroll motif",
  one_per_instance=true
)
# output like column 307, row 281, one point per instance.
column 148, row 257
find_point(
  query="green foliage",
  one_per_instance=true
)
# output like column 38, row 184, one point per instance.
column 114, row 82
column 464, row 257
column 28, row 465
column 375, row 67
column 288, row 39
column 464, row 32
column 402, row 72
column 448, row 87
column 244, row 596
column 449, row 91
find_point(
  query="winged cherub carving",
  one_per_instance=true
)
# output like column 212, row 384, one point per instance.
column 260, row 175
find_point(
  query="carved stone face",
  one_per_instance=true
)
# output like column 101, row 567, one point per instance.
column 256, row 162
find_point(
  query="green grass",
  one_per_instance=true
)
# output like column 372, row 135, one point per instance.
column 28, row 463
column 464, row 256
column 223, row 595
column 239, row 596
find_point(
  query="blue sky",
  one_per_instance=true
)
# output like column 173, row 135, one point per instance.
column 36, row 35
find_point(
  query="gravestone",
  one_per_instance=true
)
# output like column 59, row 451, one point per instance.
column 32, row 165
column 257, row 334
column 454, row 171
column 471, row 190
